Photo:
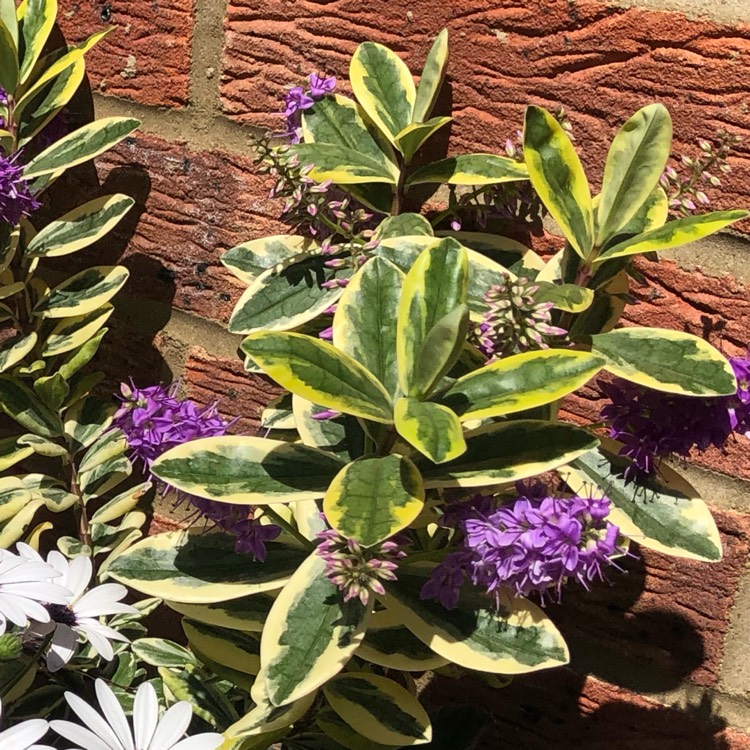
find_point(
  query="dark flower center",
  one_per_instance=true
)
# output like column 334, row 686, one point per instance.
column 61, row 614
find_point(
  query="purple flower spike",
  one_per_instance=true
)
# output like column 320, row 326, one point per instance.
column 321, row 85
column 739, row 406
column 356, row 571
column 16, row 200
column 532, row 546
column 652, row 425
column 154, row 420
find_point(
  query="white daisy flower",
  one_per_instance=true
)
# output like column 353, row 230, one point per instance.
column 23, row 736
column 110, row 730
column 78, row 617
column 24, row 586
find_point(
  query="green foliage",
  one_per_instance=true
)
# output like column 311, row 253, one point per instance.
column 416, row 409
column 419, row 412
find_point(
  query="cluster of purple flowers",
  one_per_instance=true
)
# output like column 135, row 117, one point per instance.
column 652, row 425
column 154, row 420
column 356, row 571
column 298, row 99
column 16, row 199
column 533, row 545
column 686, row 185
column 515, row 321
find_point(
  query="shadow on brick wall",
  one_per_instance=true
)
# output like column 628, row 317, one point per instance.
column 559, row 710
column 129, row 348
column 615, row 636
column 620, row 649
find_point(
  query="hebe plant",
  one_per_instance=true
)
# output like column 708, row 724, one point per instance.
column 407, row 544
column 418, row 497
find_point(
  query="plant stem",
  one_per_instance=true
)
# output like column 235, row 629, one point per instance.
column 398, row 196
column 281, row 521
column 84, row 528
column 387, row 442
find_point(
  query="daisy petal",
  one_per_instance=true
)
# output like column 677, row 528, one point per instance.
column 78, row 575
column 172, row 727
column 145, row 715
column 103, row 600
column 82, row 738
column 93, row 721
column 23, row 734
column 206, row 741
column 62, row 649
column 114, row 714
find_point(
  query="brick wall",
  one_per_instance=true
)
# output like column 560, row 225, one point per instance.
column 661, row 659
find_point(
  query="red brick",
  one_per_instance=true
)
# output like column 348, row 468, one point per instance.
column 159, row 524
column 190, row 207
column 662, row 622
column 562, row 711
column 147, row 56
column 241, row 395
column 600, row 62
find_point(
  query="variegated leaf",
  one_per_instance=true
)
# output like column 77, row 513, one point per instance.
column 310, row 634
column 432, row 316
column 431, row 80
column 402, row 225
column 414, row 136
column 666, row 360
column 558, row 178
column 660, row 511
column 265, row 717
column 229, row 648
column 80, row 227
column 520, row 382
column 379, row 709
column 83, row 293
column 287, row 295
column 373, row 498
column 247, row 614
column 508, row 452
column 38, row 20
column 252, row 258
column 674, row 234
column 70, row 333
column 470, row 169
column 397, row 648
column 344, row 166
column 515, row 638
column 318, row 372
column 245, row 470
column 14, row 496
column 81, row 145
column 434, row 430
column 9, row 68
column 14, row 349
column 635, row 162
column 20, row 403
column 340, row 121
column 384, row 87
column 364, row 326
column 200, row 568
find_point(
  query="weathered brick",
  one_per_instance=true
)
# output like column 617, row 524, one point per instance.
column 190, row 207
column 561, row 710
column 241, row 395
column 147, row 56
column 662, row 622
column 600, row 62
